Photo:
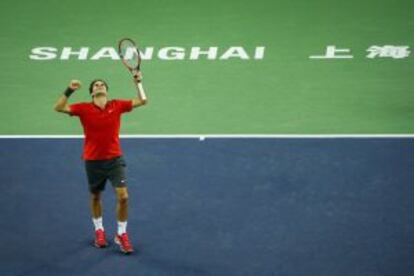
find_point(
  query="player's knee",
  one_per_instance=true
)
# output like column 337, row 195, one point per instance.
column 123, row 196
column 123, row 199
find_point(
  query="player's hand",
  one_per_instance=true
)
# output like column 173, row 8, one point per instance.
column 138, row 77
column 75, row 84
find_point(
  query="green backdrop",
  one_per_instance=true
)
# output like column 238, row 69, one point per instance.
column 284, row 93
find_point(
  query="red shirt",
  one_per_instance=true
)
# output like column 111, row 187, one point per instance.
column 101, row 128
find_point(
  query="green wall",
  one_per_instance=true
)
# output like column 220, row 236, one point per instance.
column 286, row 92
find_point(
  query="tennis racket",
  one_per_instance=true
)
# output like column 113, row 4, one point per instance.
column 131, row 58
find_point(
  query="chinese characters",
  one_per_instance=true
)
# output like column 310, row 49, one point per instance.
column 375, row 51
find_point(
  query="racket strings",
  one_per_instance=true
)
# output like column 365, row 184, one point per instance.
column 129, row 53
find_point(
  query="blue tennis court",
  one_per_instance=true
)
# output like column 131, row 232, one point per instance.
column 215, row 207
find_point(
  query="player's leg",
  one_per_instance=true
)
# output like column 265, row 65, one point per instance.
column 121, row 237
column 122, row 205
column 96, row 205
column 96, row 181
column 117, row 176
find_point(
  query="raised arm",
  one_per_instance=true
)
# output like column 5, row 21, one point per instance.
column 141, row 98
column 62, row 103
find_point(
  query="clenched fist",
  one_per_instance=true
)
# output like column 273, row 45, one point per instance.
column 75, row 84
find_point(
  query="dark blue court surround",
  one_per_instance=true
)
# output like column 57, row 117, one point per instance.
column 215, row 207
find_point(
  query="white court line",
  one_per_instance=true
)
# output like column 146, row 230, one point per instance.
column 219, row 136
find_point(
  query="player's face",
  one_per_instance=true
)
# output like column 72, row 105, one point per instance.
column 99, row 88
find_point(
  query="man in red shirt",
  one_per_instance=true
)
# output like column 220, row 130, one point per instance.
column 101, row 121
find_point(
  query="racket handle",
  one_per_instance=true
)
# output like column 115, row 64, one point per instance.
column 141, row 92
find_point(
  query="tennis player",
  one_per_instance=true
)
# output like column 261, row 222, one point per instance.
column 101, row 121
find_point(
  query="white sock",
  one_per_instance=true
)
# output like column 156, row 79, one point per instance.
column 122, row 227
column 98, row 223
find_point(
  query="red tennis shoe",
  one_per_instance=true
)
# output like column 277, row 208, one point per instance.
column 124, row 243
column 100, row 240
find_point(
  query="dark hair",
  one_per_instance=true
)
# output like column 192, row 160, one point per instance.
column 93, row 82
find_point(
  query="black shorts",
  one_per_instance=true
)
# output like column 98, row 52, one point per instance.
column 99, row 171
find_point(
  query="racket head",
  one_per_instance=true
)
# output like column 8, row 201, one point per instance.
column 129, row 54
